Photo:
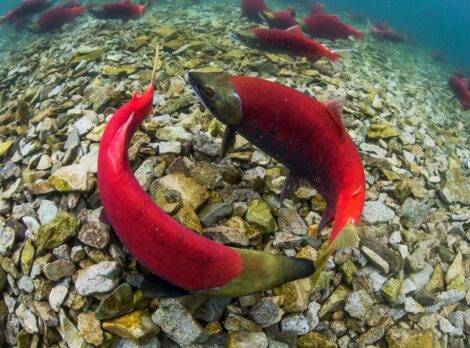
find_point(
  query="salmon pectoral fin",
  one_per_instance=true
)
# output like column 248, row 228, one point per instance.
column 228, row 141
column 156, row 287
column 292, row 184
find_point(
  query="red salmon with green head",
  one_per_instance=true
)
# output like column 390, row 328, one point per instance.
column 124, row 10
column 308, row 137
column 280, row 20
column 182, row 261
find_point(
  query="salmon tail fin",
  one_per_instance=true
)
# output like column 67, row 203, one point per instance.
column 347, row 237
column 155, row 63
column 333, row 56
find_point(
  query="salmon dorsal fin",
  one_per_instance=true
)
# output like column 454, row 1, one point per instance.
column 335, row 110
column 295, row 29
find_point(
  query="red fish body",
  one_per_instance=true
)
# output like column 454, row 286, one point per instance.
column 280, row 20
column 119, row 10
column 327, row 27
column 251, row 9
column 459, row 86
column 383, row 32
column 292, row 42
column 308, row 137
column 26, row 9
column 167, row 248
column 59, row 15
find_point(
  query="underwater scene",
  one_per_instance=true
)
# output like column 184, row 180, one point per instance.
column 234, row 173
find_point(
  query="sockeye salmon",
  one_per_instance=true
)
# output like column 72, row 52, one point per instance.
column 183, row 260
column 308, row 137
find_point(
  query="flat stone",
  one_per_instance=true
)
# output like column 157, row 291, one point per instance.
column 59, row 269
column 315, row 340
column 90, row 161
column 69, row 332
column 291, row 222
column 266, row 312
column 226, row 235
column 295, row 322
column 178, row 324
column 56, row 232
column 413, row 213
column 377, row 212
column 27, row 319
column 335, row 301
column 72, row 178
column 391, row 290
column 457, row 186
column 214, row 212
column 57, row 296
column 47, row 211
column 247, row 340
column 382, row 130
column 392, row 257
column 90, row 328
column 358, row 304
column 169, row 147
column 137, row 325
column 92, row 231
column 193, row 194
column 119, row 302
column 97, row 279
column 398, row 337
column 376, row 259
column 173, row 133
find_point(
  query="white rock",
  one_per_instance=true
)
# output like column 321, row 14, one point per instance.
column 57, row 297
column 27, row 319
column 295, row 322
column 376, row 211
column 47, row 211
column 172, row 147
column 97, row 279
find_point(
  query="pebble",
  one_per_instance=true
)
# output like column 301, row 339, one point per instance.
column 57, row 296
column 92, row 231
column 69, row 332
column 129, row 343
column 137, row 325
column 7, row 240
column 413, row 213
column 266, row 312
column 98, row 279
column 376, row 260
column 90, row 328
column 193, row 194
column 119, row 302
column 59, row 269
column 26, row 284
column 358, row 304
column 72, row 178
column 295, row 322
column 227, row 235
column 214, row 212
column 247, row 340
column 27, row 319
column 47, row 211
column 291, row 222
column 377, row 212
column 259, row 214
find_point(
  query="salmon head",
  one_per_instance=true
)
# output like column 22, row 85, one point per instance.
column 219, row 96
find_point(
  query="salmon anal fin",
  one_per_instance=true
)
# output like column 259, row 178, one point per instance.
column 292, row 184
column 335, row 110
column 156, row 287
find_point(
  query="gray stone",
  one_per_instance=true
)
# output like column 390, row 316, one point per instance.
column 417, row 260
column 227, row 235
column 214, row 212
column 377, row 281
column 98, row 279
column 421, row 278
column 92, row 231
column 358, row 304
column 69, row 332
column 178, row 324
column 25, row 284
column 128, row 343
column 247, row 340
column 295, row 322
column 291, row 222
column 413, row 213
column 311, row 314
column 169, row 147
column 266, row 312
column 376, row 212
column 27, row 319
column 7, row 240
column 145, row 174
column 376, row 259
column 57, row 296
column 119, row 302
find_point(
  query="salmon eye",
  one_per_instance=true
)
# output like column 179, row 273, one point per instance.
column 208, row 92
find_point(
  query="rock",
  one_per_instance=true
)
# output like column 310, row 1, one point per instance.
column 7, row 240
column 382, row 130
column 377, row 212
column 214, row 212
column 25, row 284
column 358, row 304
column 117, row 303
column 72, row 178
column 296, row 295
column 398, row 337
column 236, row 323
column 412, row 306
column 392, row 257
column 291, row 222
column 374, row 334
column 193, row 194
column 456, row 188
column 90, row 161
column 178, row 324
column 315, row 340
column 417, row 260
column 98, row 279
column 47, row 211
column 335, row 301
column 214, row 308
column 255, row 177
column 413, row 213
column 206, row 145
column 69, row 332
column 266, row 312
column 391, row 290
column 90, row 328
column 169, row 147
column 188, row 217
column 456, row 269
column 376, row 259
column 259, row 214
column 59, row 269
column 175, row 133
column 226, row 235
column 27, row 319
column 247, row 340
column 206, row 174
column 45, row 313
column 56, row 232
column 421, row 278
column 312, row 315
column 295, row 322
column 57, row 296
column 137, row 325
column 128, row 343
column 92, row 231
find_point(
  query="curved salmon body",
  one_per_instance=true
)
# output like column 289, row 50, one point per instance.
column 328, row 27
column 293, row 42
column 59, row 15
column 301, row 133
column 124, row 9
column 169, row 249
column 461, row 91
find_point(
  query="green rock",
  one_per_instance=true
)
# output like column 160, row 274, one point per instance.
column 27, row 256
column 124, row 70
column 335, row 301
column 398, row 337
column 23, row 339
column 214, row 212
column 119, row 302
column 193, row 195
column 56, row 232
column 253, row 235
column 72, row 178
column 138, row 42
column 296, row 295
column 140, row 301
column 9, row 267
column 315, row 340
column 88, row 57
column 174, row 105
column 90, row 328
column 349, row 270
column 259, row 214
column 137, row 325
column 247, row 340
column 413, row 213
column 188, row 217
column 165, row 32
column 210, row 69
column 391, row 290
column 382, row 130
column 3, row 280
column 5, row 146
column 69, row 332
column 456, row 188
